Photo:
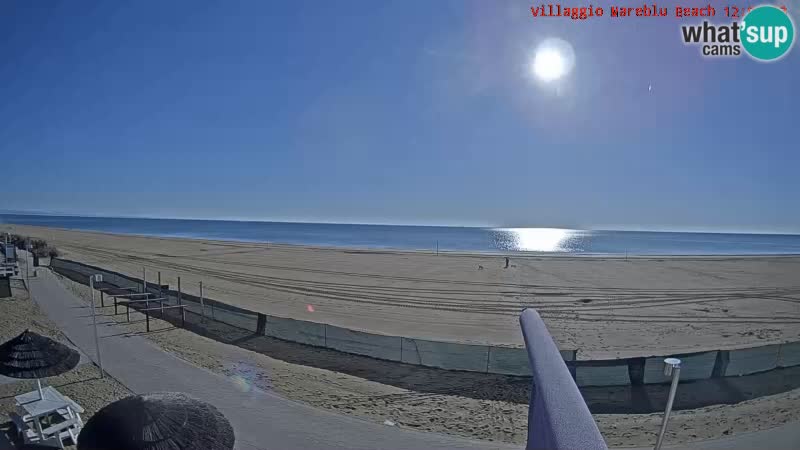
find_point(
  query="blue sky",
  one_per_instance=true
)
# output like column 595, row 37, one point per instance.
column 388, row 112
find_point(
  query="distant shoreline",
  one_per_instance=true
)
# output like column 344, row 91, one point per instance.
column 367, row 224
column 502, row 241
column 398, row 250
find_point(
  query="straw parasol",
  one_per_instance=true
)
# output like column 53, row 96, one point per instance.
column 158, row 421
column 32, row 355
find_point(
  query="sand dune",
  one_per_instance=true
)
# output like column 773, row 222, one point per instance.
column 604, row 307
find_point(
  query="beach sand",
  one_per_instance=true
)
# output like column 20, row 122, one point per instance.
column 604, row 307
column 450, row 402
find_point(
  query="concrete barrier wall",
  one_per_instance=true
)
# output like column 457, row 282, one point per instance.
column 752, row 360
column 602, row 375
column 300, row 331
column 789, row 355
column 514, row 360
column 455, row 356
column 695, row 366
column 445, row 355
column 361, row 343
column 509, row 361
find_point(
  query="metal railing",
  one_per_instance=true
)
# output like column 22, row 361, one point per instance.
column 558, row 417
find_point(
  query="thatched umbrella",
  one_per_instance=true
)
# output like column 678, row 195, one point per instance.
column 158, row 421
column 32, row 355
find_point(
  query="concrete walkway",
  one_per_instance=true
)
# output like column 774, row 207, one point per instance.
column 261, row 420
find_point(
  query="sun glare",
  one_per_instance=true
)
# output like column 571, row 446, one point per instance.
column 539, row 239
column 552, row 60
column 548, row 65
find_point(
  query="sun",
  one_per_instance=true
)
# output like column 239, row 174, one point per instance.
column 549, row 65
column 552, row 60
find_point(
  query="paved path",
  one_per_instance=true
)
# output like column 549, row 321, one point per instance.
column 261, row 420
column 7, row 380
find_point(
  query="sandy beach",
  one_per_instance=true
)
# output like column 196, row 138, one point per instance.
column 604, row 307
column 475, row 405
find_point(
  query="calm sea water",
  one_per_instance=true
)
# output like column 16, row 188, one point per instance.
column 425, row 237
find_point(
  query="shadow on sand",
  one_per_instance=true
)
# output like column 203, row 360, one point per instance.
column 602, row 400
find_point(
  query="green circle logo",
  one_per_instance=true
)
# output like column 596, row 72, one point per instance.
column 767, row 33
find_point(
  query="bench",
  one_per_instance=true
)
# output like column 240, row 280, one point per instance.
column 74, row 411
column 54, row 434
column 19, row 422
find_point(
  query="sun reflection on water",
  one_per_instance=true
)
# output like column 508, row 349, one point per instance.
column 535, row 239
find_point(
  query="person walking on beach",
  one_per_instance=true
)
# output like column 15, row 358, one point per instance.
column 506, row 267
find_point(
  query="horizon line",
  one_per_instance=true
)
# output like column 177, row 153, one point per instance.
column 312, row 222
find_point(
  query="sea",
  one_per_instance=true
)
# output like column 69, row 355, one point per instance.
column 441, row 238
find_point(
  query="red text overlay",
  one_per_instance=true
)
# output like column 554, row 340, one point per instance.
column 548, row 10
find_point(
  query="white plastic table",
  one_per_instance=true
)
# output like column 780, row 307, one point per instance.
column 35, row 408
column 50, row 401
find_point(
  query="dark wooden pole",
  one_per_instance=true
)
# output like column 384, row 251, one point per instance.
column 261, row 325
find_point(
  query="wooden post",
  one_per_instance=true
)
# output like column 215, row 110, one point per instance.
column 147, row 320
column 128, row 311
column 721, row 363
column 179, row 291
column 115, row 306
column 202, row 304
column 102, row 302
column 261, row 325
column 636, row 371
